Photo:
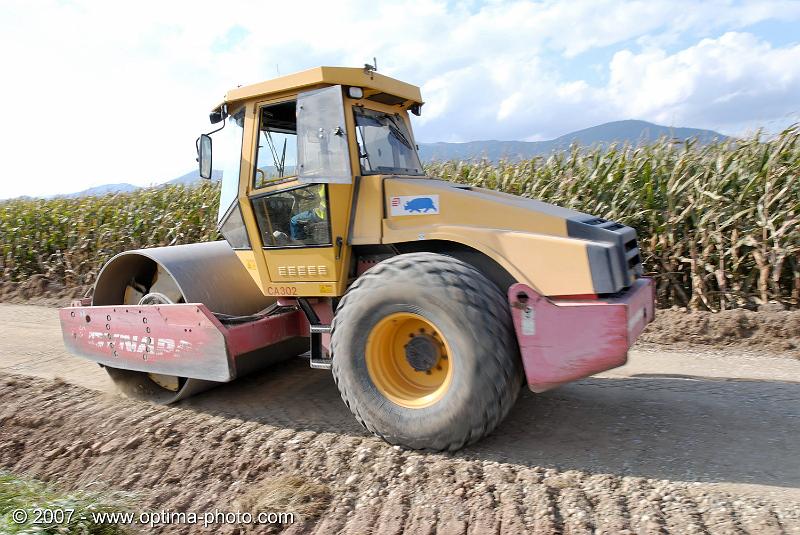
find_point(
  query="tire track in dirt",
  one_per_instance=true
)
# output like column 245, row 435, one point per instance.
column 177, row 458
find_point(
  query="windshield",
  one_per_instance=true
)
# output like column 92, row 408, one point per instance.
column 228, row 154
column 385, row 144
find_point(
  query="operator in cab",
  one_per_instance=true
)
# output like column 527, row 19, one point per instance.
column 299, row 222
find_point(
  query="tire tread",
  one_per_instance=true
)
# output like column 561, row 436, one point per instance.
column 484, row 304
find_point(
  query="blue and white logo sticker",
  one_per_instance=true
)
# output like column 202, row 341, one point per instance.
column 414, row 205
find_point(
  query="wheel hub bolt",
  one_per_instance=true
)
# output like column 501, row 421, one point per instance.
column 422, row 353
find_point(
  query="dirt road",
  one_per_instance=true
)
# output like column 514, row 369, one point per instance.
column 679, row 442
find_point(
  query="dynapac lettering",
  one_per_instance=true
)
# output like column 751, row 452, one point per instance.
column 132, row 343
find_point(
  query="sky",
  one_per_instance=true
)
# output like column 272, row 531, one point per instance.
column 110, row 91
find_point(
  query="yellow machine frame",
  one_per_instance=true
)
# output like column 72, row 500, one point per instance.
column 527, row 238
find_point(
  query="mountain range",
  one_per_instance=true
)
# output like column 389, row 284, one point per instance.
column 192, row 177
column 629, row 131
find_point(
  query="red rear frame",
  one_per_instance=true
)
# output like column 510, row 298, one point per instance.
column 185, row 340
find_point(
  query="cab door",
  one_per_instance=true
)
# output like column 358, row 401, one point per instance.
column 300, row 176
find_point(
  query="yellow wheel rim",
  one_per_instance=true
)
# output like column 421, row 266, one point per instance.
column 409, row 360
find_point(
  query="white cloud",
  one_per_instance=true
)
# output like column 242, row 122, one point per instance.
column 723, row 82
column 110, row 92
column 732, row 83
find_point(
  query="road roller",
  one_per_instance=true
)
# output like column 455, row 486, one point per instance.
column 431, row 303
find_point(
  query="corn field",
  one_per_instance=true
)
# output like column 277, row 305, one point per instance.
column 719, row 225
column 69, row 239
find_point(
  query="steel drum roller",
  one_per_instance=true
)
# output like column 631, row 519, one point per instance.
column 208, row 273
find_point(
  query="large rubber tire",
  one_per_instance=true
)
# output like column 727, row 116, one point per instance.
column 472, row 316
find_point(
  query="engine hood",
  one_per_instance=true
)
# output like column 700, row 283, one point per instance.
column 430, row 209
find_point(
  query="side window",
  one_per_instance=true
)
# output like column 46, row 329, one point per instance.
column 234, row 231
column 277, row 143
column 228, row 155
column 294, row 217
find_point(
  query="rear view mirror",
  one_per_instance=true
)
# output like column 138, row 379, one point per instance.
column 204, row 155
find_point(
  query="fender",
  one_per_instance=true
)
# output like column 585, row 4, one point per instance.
column 551, row 265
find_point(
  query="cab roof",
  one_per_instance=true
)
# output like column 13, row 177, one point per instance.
column 376, row 86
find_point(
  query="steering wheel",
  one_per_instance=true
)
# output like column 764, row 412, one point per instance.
column 305, row 195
